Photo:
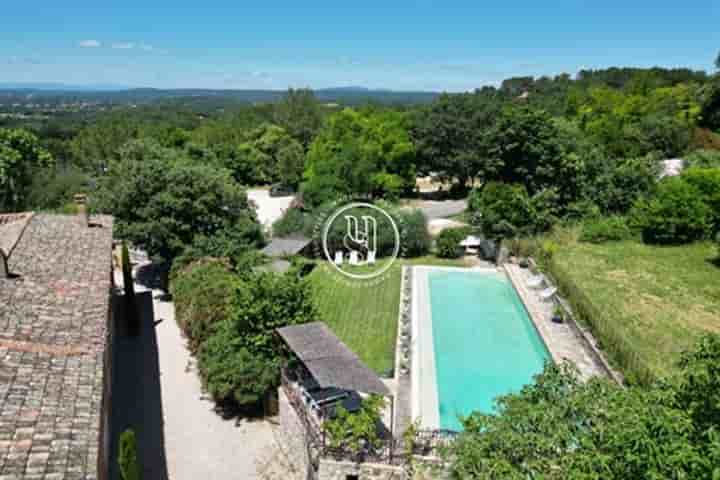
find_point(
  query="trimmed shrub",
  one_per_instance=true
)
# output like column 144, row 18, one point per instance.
column 231, row 372
column 502, row 210
column 676, row 214
column 128, row 456
column 415, row 237
column 448, row 242
column 203, row 293
column 608, row 229
column 707, row 181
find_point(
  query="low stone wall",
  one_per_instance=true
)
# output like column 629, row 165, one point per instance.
column 293, row 435
column 334, row 470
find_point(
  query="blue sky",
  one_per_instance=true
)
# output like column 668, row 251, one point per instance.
column 399, row 44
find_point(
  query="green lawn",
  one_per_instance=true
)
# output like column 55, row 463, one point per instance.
column 365, row 317
column 664, row 297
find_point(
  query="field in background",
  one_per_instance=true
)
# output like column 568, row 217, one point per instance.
column 660, row 299
column 365, row 317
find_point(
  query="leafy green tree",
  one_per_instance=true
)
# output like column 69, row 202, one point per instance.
column 266, row 154
column 360, row 152
column 614, row 185
column 525, row 143
column 21, row 157
column 162, row 200
column 703, row 159
column 502, row 210
column 299, row 114
column 451, row 138
column 676, row 214
column 707, row 182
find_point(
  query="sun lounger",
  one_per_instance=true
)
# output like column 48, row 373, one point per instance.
column 548, row 293
column 338, row 258
column 536, row 281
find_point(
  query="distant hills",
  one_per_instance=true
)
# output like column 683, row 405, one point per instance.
column 117, row 94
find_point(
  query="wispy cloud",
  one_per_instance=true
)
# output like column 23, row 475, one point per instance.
column 22, row 61
column 123, row 45
column 89, row 44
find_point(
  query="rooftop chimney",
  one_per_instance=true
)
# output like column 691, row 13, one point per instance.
column 82, row 209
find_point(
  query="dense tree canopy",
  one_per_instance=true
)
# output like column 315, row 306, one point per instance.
column 21, row 157
column 162, row 200
column 364, row 152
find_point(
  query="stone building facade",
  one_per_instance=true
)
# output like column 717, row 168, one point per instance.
column 55, row 346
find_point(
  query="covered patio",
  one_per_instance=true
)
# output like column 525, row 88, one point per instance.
column 328, row 374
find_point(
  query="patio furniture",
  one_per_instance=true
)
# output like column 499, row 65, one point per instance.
column 548, row 293
column 338, row 258
column 536, row 281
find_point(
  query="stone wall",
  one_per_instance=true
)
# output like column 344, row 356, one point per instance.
column 293, row 435
column 334, row 470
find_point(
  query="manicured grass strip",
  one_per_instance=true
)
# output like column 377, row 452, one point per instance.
column 365, row 316
column 658, row 300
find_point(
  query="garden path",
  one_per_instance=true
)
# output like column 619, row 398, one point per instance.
column 198, row 442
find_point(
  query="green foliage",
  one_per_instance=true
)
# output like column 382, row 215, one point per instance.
column 703, row 159
column 293, row 220
column 414, row 235
column 451, row 139
column 232, row 372
column 299, row 114
column 525, row 142
column 561, row 428
column 707, row 182
column 162, row 201
column 502, row 210
column 20, row 157
column 52, row 189
column 616, row 184
column 447, row 244
column 605, row 229
column 698, row 391
column 360, row 153
column 240, row 359
column 357, row 431
column 128, row 456
column 203, row 293
column 676, row 214
column 710, row 105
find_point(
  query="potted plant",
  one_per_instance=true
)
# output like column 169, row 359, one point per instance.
column 558, row 315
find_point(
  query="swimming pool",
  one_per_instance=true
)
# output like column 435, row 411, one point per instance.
column 484, row 344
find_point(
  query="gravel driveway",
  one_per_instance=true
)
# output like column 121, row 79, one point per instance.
column 269, row 208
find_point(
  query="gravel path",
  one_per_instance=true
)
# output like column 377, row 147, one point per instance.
column 198, row 442
column 269, row 208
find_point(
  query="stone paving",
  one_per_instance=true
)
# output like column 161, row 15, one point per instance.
column 562, row 340
column 53, row 340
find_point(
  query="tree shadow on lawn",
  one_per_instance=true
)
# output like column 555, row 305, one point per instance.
column 136, row 393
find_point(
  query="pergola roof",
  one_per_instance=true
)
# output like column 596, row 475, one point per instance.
column 285, row 246
column 329, row 360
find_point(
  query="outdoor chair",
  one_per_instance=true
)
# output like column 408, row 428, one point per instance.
column 548, row 293
column 338, row 258
column 536, row 281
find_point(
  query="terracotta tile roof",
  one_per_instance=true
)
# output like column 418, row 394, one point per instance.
column 54, row 335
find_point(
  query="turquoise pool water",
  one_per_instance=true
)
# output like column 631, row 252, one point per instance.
column 485, row 344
